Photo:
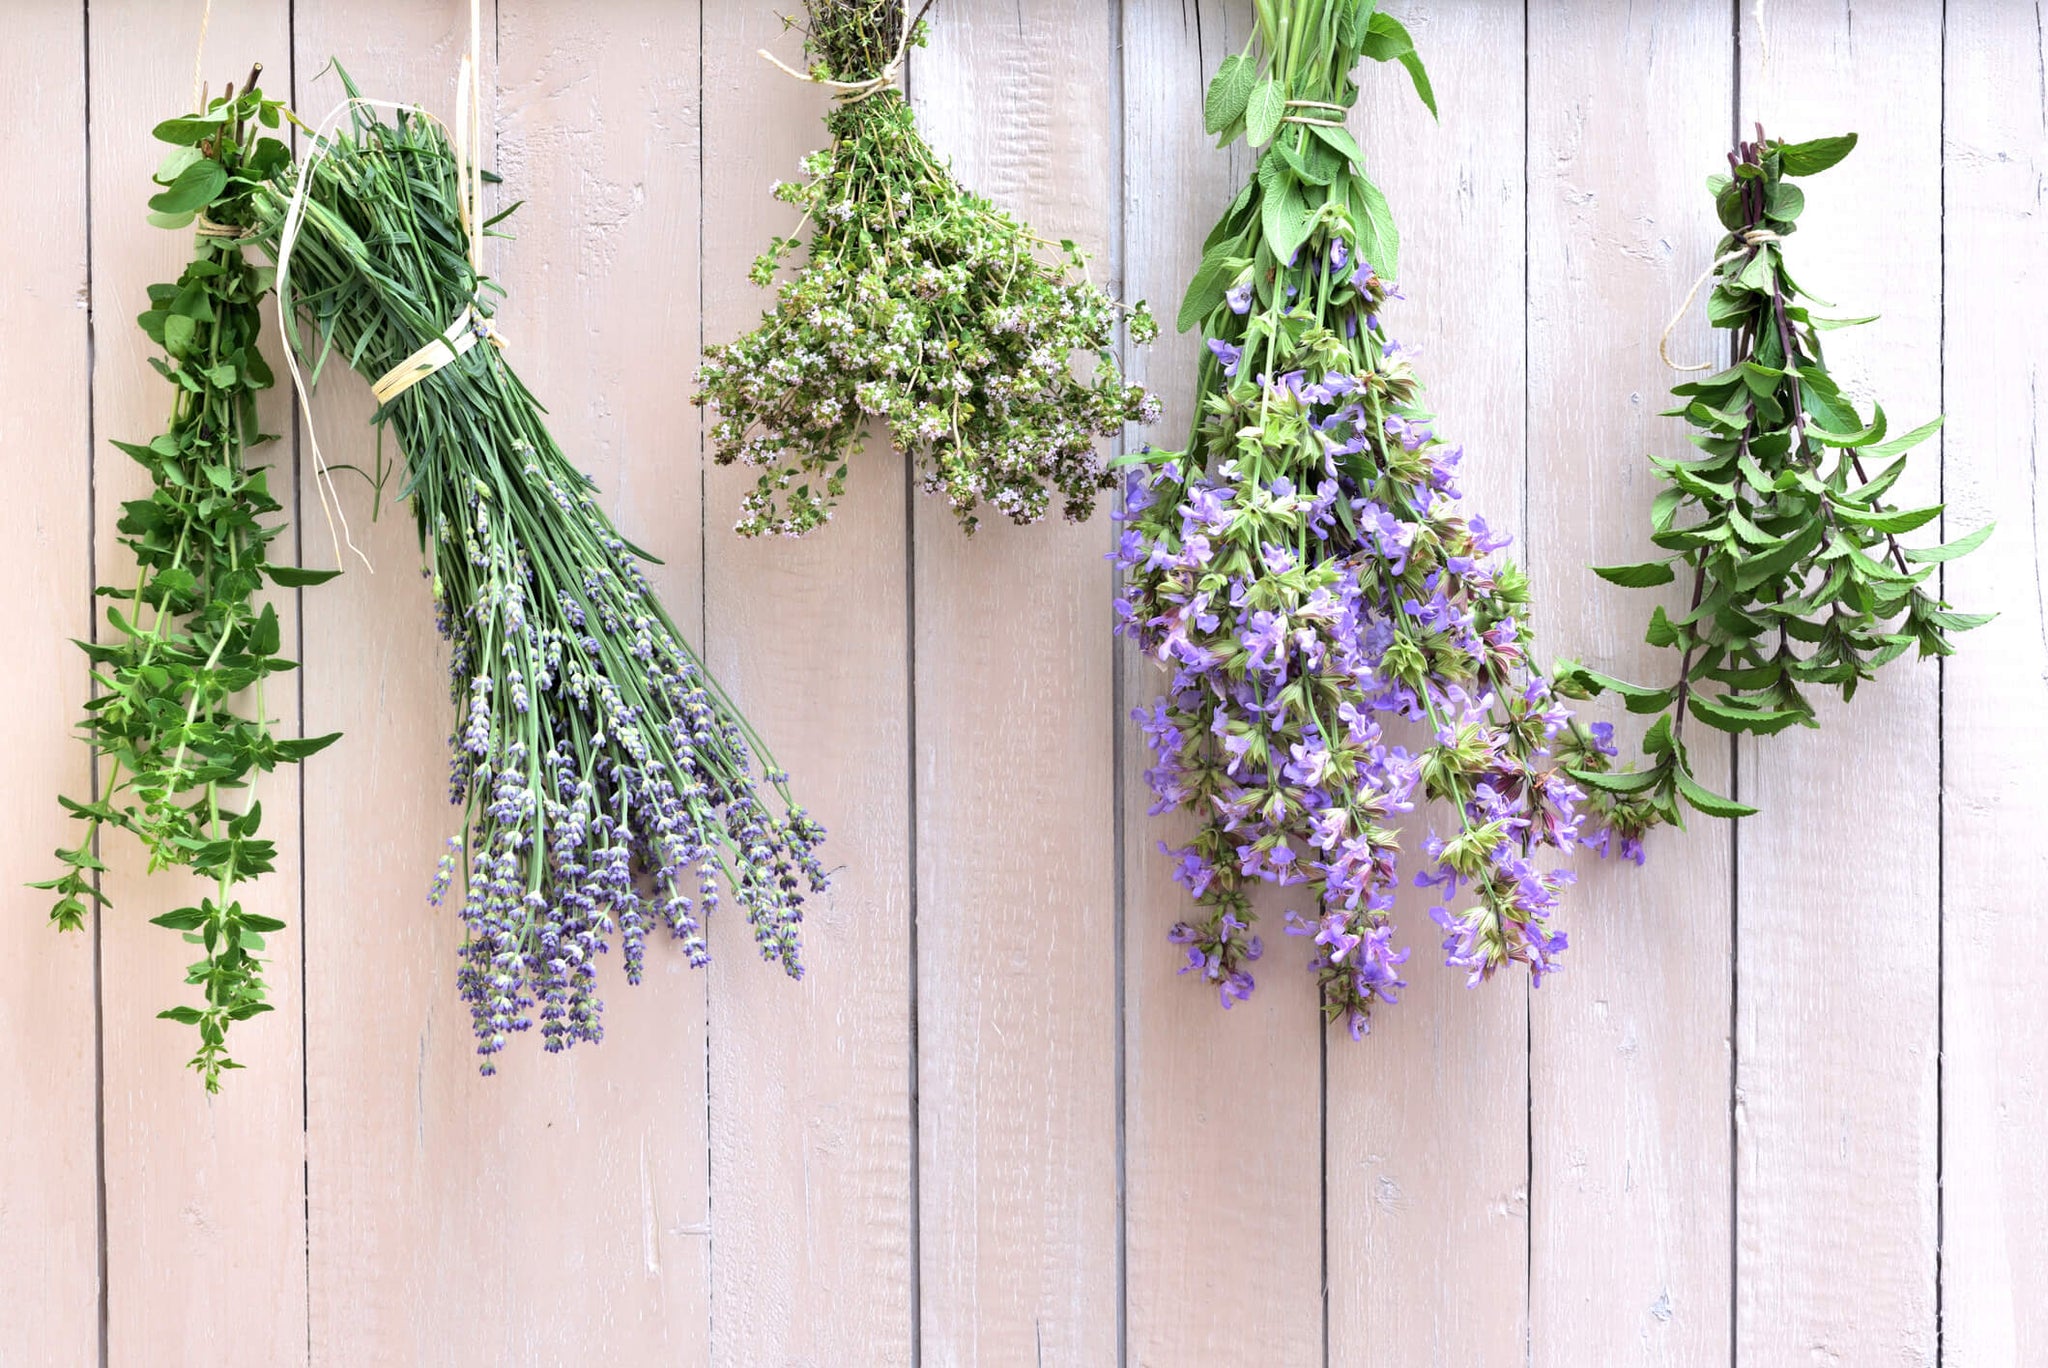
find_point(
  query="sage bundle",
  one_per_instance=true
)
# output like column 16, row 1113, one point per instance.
column 608, row 786
column 921, row 306
column 1798, row 577
column 179, row 715
column 1308, row 574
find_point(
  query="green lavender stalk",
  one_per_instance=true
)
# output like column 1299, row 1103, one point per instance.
column 186, row 639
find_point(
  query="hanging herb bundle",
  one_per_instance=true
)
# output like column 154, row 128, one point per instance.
column 1798, row 575
column 179, row 718
column 594, row 757
column 921, row 305
column 1307, row 572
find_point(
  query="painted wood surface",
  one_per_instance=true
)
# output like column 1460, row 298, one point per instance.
column 1836, row 1130
column 1630, row 109
column 1993, row 1105
column 992, row 1125
column 50, row 1208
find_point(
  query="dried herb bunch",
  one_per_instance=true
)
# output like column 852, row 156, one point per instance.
column 179, row 719
column 1798, row 575
column 1308, row 573
column 921, row 305
column 608, row 786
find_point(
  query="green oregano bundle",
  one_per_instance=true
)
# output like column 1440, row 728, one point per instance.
column 1798, row 576
column 921, row 305
column 186, row 641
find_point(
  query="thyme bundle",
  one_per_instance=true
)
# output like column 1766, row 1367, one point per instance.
column 1306, row 571
column 592, row 755
column 187, row 638
column 920, row 305
column 1798, row 575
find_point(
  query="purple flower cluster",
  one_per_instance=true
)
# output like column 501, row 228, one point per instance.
column 608, row 789
column 1342, row 642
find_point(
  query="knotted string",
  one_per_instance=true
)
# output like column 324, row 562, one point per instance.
column 1752, row 238
column 853, row 92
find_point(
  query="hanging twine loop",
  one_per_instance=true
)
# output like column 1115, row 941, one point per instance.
column 460, row 336
column 1752, row 239
column 853, row 92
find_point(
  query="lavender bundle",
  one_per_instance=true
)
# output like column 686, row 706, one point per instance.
column 187, row 638
column 1307, row 573
column 1798, row 575
column 921, row 305
column 607, row 784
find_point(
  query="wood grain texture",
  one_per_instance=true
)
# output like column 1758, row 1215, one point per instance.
column 205, row 1196
column 49, row 1187
column 1629, row 111
column 810, row 1082
column 1836, row 977
column 1731, row 1131
column 1016, row 846
column 1223, row 1119
column 1994, row 1107
column 1428, row 1117
column 559, row 1211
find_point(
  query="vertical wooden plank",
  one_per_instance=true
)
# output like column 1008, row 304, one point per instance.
column 49, row 1198
column 1428, row 1127
column 1016, row 847
column 204, row 1195
column 1838, row 907
column 810, row 1082
column 557, row 1212
column 1994, row 1106
column 1211, row 1267
column 1629, row 111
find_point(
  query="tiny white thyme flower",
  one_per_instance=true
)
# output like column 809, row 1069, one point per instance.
column 922, row 307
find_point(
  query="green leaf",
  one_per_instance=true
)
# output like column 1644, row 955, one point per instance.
column 1904, row 520
column 1708, row 802
column 194, row 189
column 1639, row 576
column 1339, row 139
column 1961, row 546
column 1618, row 781
column 1379, row 239
column 190, row 130
column 1811, row 158
column 1830, row 324
column 184, row 1016
column 1886, row 450
column 1284, row 215
column 178, row 333
column 298, row 748
column 1420, row 78
column 297, row 577
column 1231, row 87
column 184, row 919
column 1386, row 39
column 1263, row 110
column 257, row 922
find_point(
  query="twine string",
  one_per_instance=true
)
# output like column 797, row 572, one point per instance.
column 1752, row 239
column 853, row 92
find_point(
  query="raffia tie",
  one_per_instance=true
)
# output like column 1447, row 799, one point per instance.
column 853, row 92
column 1752, row 238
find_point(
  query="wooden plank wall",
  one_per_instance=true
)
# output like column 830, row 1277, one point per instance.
column 1784, row 1107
